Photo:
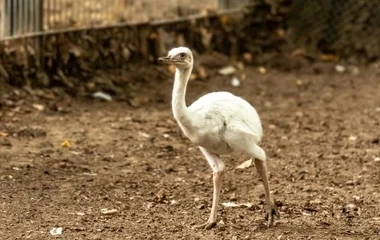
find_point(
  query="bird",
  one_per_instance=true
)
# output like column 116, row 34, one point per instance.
column 218, row 123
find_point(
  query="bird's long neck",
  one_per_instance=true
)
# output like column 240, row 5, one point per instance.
column 179, row 108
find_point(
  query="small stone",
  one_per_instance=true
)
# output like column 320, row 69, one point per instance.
column 356, row 198
column 335, row 151
column 240, row 65
column 262, row 70
column 350, row 206
column 352, row 138
column 340, row 68
column 202, row 206
column 235, row 82
column 233, row 197
column 248, row 57
column 377, row 159
column 56, row 231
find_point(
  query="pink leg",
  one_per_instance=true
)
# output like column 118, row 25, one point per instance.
column 271, row 208
column 217, row 166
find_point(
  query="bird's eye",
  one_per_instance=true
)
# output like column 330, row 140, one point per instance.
column 182, row 55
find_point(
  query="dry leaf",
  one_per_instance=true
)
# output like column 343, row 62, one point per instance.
column 193, row 76
column 232, row 204
column 202, row 72
column 299, row 52
column 3, row 134
column 39, row 107
column 171, row 69
column 106, row 211
column 329, row 57
column 66, row 144
column 245, row 164
column 227, row 70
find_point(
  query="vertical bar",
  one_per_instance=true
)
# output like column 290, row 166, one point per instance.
column 35, row 15
column 25, row 11
column 76, row 12
column 47, row 14
column 40, row 15
column 60, row 13
column 104, row 10
column 32, row 16
column 80, row 12
column 14, row 17
column 19, row 17
column 8, row 17
column 89, row 13
column 2, row 18
column 65, row 13
column 55, row 14
column 102, row 13
column 112, row 17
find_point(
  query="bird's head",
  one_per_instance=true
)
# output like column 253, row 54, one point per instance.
column 181, row 57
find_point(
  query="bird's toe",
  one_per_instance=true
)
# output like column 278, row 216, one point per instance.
column 210, row 225
column 271, row 212
column 207, row 225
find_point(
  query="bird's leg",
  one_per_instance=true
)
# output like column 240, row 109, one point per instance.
column 271, row 208
column 217, row 166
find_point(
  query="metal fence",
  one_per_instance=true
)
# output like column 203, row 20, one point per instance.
column 348, row 26
column 22, row 18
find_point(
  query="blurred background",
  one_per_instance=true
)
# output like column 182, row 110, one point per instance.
column 89, row 148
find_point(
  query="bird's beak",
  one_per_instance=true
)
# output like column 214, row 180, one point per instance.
column 165, row 60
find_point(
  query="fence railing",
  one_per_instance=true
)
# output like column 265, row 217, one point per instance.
column 23, row 18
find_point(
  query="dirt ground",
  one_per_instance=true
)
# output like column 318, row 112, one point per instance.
column 321, row 137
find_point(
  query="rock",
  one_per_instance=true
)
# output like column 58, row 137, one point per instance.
column 56, row 231
column 340, row 68
column 235, row 82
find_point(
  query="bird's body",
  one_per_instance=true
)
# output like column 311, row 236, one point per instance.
column 219, row 123
column 224, row 122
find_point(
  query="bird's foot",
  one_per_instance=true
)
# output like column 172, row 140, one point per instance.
column 271, row 212
column 207, row 225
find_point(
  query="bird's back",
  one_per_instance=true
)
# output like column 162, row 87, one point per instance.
column 220, row 109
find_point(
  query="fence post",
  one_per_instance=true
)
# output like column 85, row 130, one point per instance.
column 2, row 18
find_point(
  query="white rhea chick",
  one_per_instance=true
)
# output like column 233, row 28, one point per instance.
column 219, row 123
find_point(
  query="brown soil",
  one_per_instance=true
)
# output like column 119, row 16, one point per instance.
column 321, row 136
